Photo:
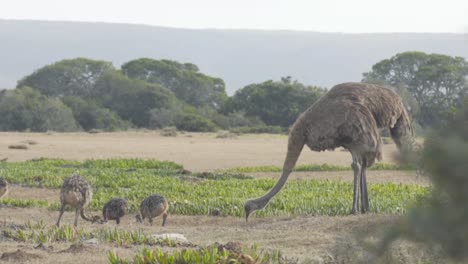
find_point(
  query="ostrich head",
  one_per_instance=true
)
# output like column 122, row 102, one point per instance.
column 253, row 205
column 97, row 219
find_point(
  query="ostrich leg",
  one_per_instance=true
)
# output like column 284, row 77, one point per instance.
column 76, row 217
column 364, row 194
column 356, row 190
column 62, row 209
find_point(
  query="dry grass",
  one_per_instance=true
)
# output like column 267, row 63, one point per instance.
column 199, row 152
column 168, row 132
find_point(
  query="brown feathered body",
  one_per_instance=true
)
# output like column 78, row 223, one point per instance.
column 115, row 209
column 153, row 206
column 75, row 192
column 3, row 187
column 350, row 115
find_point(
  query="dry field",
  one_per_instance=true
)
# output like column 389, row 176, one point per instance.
column 196, row 151
column 307, row 238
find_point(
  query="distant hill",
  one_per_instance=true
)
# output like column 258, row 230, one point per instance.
column 240, row 57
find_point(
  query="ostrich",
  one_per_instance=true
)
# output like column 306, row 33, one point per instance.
column 114, row 209
column 349, row 116
column 76, row 192
column 151, row 207
column 3, row 187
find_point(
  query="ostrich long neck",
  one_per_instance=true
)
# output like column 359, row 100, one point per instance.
column 295, row 145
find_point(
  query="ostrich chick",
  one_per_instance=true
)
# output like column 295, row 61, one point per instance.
column 114, row 209
column 76, row 193
column 151, row 207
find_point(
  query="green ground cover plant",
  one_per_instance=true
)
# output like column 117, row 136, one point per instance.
column 136, row 179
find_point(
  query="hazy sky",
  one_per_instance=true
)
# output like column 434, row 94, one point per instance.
column 353, row 16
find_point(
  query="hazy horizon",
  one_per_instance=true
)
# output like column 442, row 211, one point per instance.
column 334, row 16
column 239, row 57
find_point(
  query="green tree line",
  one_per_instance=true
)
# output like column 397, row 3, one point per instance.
column 83, row 94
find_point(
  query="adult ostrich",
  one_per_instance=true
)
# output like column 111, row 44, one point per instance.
column 350, row 115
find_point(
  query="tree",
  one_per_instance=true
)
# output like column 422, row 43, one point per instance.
column 435, row 81
column 131, row 99
column 75, row 77
column 275, row 103
column 27, row 109
column 92, row 116
column 185, row 80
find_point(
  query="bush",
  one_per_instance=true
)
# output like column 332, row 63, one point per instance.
column 169, row 132
column 442, row 218
column 27, row 109
column 275, row 103
column 91, row 116
column 161, row 117
column 259, row 130
column 194, row 123
column 131, row 99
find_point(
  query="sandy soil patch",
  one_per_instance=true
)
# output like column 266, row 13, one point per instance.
column 196, row 151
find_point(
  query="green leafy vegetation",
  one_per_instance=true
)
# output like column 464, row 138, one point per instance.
column 27, row 109
column 185, row 80
column 74, row 77
column 216, row 253
column 313, row 167
column 430, row 84
column 39, row 232
column 441, row 219
column 136, row 179
column 85, row 94
column 259, row 130
column 275, row 103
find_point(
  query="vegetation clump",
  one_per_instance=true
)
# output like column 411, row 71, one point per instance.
column 169, row 132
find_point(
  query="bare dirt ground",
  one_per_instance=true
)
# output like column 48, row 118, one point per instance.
column 298, row 237
column 196, row 151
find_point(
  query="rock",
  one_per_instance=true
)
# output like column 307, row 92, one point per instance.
column 91, row 242
column 171, row 236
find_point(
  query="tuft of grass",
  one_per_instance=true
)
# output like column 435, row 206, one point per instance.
column 216, row 253
column 39, row 232
column 222, row 176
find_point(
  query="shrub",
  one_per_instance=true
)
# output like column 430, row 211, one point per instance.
column 442, row 219
column 169, row 132
column 259, row 129
column 195, row 123
column 27, row 109
column 91, row 116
